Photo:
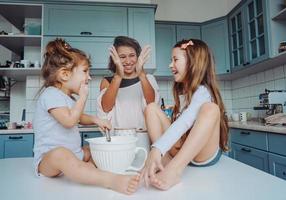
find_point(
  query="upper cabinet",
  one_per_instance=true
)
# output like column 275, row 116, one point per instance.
column 248, row 33
column 167, row 34
column 92, row 28
column 75, row 20
column 215, row 34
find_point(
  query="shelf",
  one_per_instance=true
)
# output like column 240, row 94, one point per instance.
column 281, row 15
column 270, row 63
column 19, row 74
column 16, row 14
column 16, row 43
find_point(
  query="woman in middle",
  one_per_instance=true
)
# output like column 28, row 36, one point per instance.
column 124, row 96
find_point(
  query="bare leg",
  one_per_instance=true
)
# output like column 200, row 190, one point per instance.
column 63, row 160
column 157, row 122
column 201, row 144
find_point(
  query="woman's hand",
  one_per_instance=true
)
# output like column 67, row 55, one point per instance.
column 142, row 59
column 103, row 124
column 119, row 67
column 153, row 164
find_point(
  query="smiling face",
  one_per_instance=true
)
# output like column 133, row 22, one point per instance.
column 128, row 59
column 179, row 64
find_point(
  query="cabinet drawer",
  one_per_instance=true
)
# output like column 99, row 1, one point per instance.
column 76, row 20
column 277, row 165
column 250, row 156
column 277, row 143
column 86, row 135
column 18, row 145
column 249, row 138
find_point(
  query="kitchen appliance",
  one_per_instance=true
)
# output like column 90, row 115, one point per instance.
column 273, row 101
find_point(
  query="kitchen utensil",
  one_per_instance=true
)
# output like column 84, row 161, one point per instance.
column 117, row 156
column 243, row 116
column 107, row 135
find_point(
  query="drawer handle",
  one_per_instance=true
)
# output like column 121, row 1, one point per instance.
column 244, row 133
column 245, row 149
column 85, row 135
column 284, row 173
column 15, row 137
column 85, row 33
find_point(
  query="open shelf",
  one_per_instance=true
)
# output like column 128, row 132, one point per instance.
column 281, row 15
column 16, row 43
column 16, row 14
column 19, row 74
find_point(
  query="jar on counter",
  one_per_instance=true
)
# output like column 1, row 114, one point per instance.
column 282, row 47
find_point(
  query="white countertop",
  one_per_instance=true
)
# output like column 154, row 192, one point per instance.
column 258, row 126
column 228, row 179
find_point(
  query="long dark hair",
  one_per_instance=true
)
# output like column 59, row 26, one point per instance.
column 124, row 41
column 200, row 71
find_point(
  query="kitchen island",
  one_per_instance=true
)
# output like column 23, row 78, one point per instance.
column 228, row 179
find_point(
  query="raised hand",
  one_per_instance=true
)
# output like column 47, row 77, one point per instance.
column 119, row 67
column 142, row 59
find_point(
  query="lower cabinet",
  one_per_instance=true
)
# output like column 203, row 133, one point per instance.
column 86, row 135
column 262, row 150
column 16, row 145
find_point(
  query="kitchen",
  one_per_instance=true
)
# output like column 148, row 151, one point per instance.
column 240, row 85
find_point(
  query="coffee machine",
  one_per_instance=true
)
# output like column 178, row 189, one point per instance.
column 273, row 101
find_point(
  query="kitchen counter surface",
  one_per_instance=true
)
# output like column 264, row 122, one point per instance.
column 258, row 126
column 25, row 131
column 228, row 179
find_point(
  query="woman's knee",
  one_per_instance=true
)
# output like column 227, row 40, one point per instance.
column 60, row 153
column 150, row 108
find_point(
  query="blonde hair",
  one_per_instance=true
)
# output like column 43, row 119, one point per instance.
column 200, row 71
column 59, row 54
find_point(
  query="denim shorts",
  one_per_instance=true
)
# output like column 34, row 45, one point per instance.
column 213, row 160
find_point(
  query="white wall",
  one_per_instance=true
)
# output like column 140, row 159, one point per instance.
column 192, row 10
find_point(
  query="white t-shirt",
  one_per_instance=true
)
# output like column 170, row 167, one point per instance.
column 128, row 111
column 185, row 121
column 49, row 133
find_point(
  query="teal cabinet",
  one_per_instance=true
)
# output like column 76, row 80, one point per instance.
column 215, row 34
column 250, row 156
column 141, row 26
column 16, row 145
column 167, row 34
column 277, row 165
column 95, row 47
column 82, row 20
column 165, row 40
column 249, row 33
column 86, row 135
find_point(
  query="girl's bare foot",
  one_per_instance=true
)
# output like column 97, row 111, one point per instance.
column 165, row 179
column 127, row 184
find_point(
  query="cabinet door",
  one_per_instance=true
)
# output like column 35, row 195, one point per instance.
column 165, row 40
column 86, row 135
column 141, row 26
column 250, row 156
column 2, row 146
column 277, row 165
column 237, row 43
column 188, row 31
column 277, row 143
column 18, row 145
column 215, row 35
column 95, row 47
column 257, row 41
column 79, row 20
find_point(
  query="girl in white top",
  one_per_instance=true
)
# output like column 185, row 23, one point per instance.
column 57, row 140
column 199, row 128
column 124, row 96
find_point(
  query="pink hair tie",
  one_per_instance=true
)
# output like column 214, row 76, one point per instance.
column 185, row 45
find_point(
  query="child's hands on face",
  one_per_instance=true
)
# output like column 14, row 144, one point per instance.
column 153, row 164
column 143, row 57
column 119, row 67
column 83, row 90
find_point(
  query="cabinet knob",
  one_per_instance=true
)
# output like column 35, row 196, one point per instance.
column 85, row 33
column 247, row 63
column 85, row 135
column 15, row 137
column 245, row 149
column 284, row 173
